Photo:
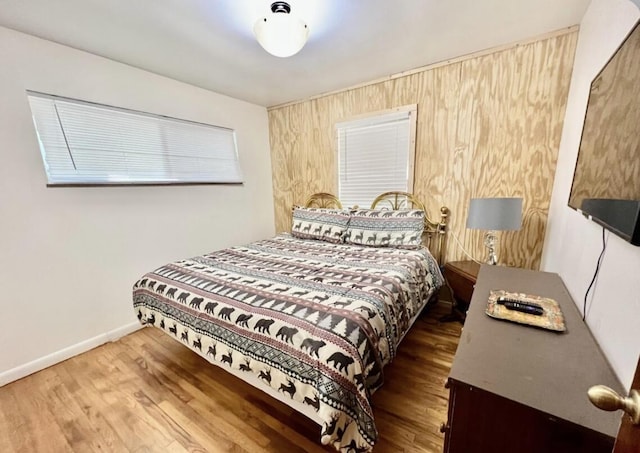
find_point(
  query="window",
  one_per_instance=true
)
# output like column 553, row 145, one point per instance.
column 376, row 155
column 85, row 143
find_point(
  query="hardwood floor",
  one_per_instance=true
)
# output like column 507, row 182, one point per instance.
column 148, row 393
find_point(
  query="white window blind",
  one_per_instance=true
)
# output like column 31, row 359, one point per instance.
column 85, row 143
column 375, row 155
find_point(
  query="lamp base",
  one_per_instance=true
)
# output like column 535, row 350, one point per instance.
column 490, row 242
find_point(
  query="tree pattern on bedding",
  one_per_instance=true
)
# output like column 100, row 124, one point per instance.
column 314, row 320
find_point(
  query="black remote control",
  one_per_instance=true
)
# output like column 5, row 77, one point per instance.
column 524, row 307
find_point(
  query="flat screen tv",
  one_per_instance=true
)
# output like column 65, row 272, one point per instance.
column 606, row 182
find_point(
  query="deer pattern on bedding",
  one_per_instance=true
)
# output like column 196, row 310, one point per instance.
column 314, row 320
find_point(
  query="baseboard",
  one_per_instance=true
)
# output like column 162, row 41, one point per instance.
column 51, row 359
column 120, row 332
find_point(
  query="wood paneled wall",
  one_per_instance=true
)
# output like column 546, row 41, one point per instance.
column 488, row 126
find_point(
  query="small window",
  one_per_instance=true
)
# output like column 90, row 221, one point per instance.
column 376, row 155
column 85, row 144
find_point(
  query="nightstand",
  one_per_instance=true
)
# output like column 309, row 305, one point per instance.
column 460, row 277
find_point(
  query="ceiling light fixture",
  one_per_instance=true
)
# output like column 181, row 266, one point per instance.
column 280, row 33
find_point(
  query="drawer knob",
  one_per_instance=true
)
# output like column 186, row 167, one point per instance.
column 444, row 427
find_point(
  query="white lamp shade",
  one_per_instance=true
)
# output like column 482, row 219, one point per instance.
column 498, row 214
column 281, row 34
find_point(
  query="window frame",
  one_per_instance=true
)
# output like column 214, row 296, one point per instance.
column 42, row 150
column 411, row 110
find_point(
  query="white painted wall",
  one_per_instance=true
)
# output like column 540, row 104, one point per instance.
column 573, row 243
column 69, row 256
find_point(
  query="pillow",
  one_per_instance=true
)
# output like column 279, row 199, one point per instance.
column 316, row 223
column 382, row 228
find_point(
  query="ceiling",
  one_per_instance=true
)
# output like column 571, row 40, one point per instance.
column 210, row 43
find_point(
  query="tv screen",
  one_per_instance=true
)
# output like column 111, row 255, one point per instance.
column 606, row 182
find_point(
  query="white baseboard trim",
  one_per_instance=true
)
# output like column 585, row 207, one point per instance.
column 51, row 359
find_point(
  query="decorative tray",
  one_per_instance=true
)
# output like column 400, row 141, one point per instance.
column 551, row 319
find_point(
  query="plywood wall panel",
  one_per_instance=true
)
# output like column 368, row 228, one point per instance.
column 487, row 126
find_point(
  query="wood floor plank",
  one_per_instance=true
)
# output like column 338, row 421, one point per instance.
column 148, row 393
column 78, row 429
column 120, row 410
column 86, row 401
column 215, row 442
column 176, row 447
column 34, row 429
column 12, row 422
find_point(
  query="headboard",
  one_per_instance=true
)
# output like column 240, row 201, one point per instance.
column 323, row 200
column 434, row 236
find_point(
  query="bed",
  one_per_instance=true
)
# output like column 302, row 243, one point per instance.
column 311, row 317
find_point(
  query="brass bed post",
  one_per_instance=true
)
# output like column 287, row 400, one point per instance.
column 442, row 235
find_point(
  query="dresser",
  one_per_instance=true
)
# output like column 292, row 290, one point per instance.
column 520, row 389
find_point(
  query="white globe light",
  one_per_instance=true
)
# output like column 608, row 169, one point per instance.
column 281, row 34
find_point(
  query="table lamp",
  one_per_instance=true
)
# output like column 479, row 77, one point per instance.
column 492, row 215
